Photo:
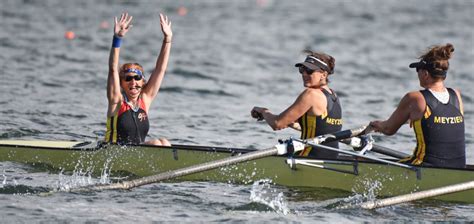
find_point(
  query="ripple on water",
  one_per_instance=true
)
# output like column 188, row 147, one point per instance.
column 466, row 98
column 22, row 189
column 199, row 92
column 20, row 132
column 52, row 84
column 191, row 74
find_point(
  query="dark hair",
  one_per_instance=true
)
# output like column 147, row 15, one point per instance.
column 439, row 56
column 328, row 59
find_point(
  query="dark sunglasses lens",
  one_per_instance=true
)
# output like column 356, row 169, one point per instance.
column 308, row 71
column 130, row 77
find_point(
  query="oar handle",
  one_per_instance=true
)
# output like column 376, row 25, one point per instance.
column 340, row 135
column 358, row 142
column 354, row 154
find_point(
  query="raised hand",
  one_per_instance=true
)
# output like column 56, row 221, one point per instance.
column 122, row 26
column 166, row 27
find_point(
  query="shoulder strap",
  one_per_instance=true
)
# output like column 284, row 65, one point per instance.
column 330, row 98
column 141, row 103
column 453, row 98
column 430, row 100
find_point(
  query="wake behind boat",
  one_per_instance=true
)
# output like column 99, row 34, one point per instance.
column 348, row 173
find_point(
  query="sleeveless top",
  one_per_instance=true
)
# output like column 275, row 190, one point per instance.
column 128, row 126
column 330, row 121
column 440, row 133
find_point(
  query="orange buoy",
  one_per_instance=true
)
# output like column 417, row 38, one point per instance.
column 104, row 25
column 182, row 11
column 262, row 3
column 69, row 35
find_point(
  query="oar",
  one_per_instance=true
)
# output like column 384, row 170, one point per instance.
column 315, row 144
column 279, row 149
column 357, row 142
column 418, row 195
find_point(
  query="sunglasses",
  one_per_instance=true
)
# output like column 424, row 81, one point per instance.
column 308, row 71
column 129, row 78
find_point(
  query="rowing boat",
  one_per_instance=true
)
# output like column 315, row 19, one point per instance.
column 346, row 173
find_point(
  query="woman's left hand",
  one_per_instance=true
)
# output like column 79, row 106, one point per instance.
column 376, row 126
column 166, row 27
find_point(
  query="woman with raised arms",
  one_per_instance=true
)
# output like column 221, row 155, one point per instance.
column 129, row 94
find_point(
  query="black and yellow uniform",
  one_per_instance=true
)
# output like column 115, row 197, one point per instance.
column 330, row 121
column 440, row 133
column 128, row 126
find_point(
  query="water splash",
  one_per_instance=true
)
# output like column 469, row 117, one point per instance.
column 373, row 187
column 79, row 178
column 4, row 182
column 245, row 174
column 262, row 192
column 105, row 175
column 84, row 171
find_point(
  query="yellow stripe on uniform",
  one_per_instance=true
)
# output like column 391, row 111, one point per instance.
column 421, row 145
column 324, row 115
column 304, row 134
column 114, row 136
column 405, row 159
column 427, row 112
column 109, row 130
column 111, row 133
column 309, row 125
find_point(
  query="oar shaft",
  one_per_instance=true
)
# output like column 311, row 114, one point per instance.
column 355, row 154
column 190, row 170
column 205, row 148
column 389, row 152
column 418, row 195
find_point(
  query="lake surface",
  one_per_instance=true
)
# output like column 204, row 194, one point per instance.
column 227, row 56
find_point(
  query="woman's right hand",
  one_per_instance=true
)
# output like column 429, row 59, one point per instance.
column 257, row 113
column 122, row 26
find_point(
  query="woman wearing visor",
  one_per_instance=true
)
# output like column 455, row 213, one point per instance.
column 129, row 94
column 435, row 113
column 316, row 111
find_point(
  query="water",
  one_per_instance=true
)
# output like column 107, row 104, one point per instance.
column 226, row 58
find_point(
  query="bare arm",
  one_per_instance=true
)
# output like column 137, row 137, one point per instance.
column 290, row 115
column 114, row 95
column 153, row 86
column 411, row 107
column 461, row 106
